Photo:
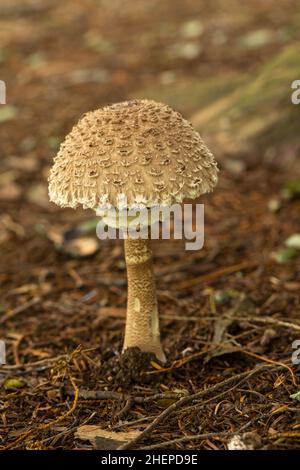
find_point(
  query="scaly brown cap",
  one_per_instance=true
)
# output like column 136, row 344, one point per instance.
column 140, row 149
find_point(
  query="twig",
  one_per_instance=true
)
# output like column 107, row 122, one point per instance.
column 20, row 309
column 219, row 395
column 270, row 361
column 216, row 274
column 30, row 365
column 157, row 396
column 227, row 434
column 271, row 321
column 286, row 434
column 184, row 400
column 63, row 369
column 125, row 409
column 132, row 423
column 255, row 419
column 105, row 395
column 97, row 395
column 43, row 427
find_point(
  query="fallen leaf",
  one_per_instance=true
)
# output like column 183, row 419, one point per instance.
column 185, row 50
column 295, row 396
column 280, row 409
column 165, row 402
column 293, row 241
column 274, row 205
column 272, row 431
column 13, row 383
column 103, row 439
column 285, row 255
column 246, row 441
column 256, row 39
column 81, row 247
column 220, row 336
column 155, row 365
column 192, row 29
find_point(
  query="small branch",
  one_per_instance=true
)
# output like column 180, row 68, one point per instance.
column 241, row 378
column 132, row 423
column 125, row 409
column 270, row 321
column 97, row 395
column 216, row 274
column 48, row 362
column 196, row 437
column 18, row 310
column 105, row 395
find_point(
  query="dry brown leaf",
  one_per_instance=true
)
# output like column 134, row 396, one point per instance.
column 103, row 439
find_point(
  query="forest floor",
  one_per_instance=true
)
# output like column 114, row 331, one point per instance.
column 229, row 313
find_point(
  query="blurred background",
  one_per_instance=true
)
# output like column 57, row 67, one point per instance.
column 228, row 67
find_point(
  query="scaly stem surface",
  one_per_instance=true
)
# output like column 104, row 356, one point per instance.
column 142, row 322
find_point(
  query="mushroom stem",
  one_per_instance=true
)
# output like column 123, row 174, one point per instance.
column 142, row 322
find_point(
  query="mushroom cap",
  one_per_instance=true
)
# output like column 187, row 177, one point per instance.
column 140, row 149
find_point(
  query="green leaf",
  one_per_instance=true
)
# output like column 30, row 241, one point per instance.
column 296, row 396
column 285, row 255
column 291, row 188
column 165, row 402
column 13, row 383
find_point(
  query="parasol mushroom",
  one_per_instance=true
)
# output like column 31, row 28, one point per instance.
column 149, row 153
